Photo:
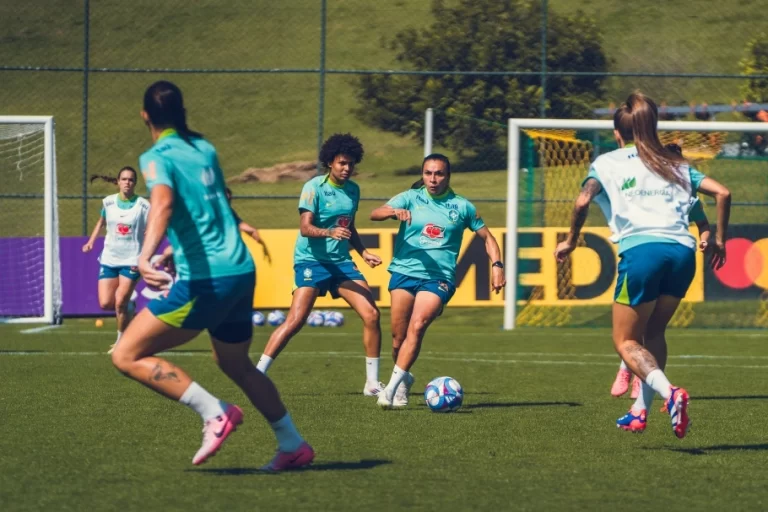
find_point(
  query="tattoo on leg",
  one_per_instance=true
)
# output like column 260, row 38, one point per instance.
column 641, row 357
column 158, row 374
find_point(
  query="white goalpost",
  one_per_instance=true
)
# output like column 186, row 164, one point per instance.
column 30, row 275
column 563, row 149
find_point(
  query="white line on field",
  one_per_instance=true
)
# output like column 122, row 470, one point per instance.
column 355, row 355
column 36, row 330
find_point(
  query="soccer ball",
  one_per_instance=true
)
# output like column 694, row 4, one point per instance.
column 444, row 394
column 333, row 319
column 258, row 318
column 276, row 318
column 315, row 319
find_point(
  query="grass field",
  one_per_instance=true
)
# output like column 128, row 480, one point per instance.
column 536, row 431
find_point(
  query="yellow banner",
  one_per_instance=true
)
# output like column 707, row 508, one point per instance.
column 592, row 269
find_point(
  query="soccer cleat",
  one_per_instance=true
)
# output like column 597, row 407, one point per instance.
column 636, row 385
column 284, row 461
column 216, row 430
column 677, row 407
column 633, row 422
column 401, row 394
column 621, row 384
column 373, row 389
column 384, row 401
column 112, row 348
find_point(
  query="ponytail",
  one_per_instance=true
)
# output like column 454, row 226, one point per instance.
column 110, row 179
column 418, row 184
column 636, row 120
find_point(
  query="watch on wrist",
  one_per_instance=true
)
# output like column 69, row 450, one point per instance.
column 498, row 264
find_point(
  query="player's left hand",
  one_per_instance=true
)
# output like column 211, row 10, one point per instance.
column 498, row 279
column 371, row 259
column 563, row 249
column 152, row 276
column 267, row 256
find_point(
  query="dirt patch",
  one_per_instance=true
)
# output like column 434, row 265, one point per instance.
column 290, row 171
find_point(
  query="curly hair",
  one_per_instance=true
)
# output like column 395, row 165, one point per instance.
column 341, row 144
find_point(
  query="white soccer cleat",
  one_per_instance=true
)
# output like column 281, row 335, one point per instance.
column 384, row 401
column 373, row 389
column 401, row 395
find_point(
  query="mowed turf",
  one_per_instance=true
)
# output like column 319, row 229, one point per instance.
column 536, row 430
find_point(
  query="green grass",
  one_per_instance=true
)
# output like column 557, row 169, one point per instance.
column 536, row 431
column 261, row 120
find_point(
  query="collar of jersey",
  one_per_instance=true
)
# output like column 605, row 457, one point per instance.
column 128, row 201
column 329, row 181
column 629, row 145
column 166, row 133
column 445, row 194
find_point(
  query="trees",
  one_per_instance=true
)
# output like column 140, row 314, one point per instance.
column 756, row 63
column 485, row 35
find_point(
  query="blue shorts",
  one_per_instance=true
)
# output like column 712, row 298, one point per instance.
column 650, row 270
column 222, row 305
column 413, row 285
column 326, row 277
column 106, row 272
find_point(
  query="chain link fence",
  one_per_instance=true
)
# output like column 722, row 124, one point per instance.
column 268, row 81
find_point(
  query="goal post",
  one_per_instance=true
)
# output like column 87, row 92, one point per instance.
column 30, row 288
column 552, row 156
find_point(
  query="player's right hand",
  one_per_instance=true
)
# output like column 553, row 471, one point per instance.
column 403, row 215
column 152, row 276
column 339, row 233
column 717, row 257
column 88, row 247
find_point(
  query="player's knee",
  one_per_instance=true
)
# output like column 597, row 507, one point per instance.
column 371, row 317
column 121, row 304
column 235, row 369
column 418, row 326
column 107, row 303
column 122, row 361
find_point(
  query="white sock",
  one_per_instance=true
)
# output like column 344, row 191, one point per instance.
column 264, row 363
column 644, row 398
column 658, row 381
column 398, row 374
column 119, row 333
column 288, row 438
column 623, row 365
column 372, row 369
column 202, row 402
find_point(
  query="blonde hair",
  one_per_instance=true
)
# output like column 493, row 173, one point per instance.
column 636, row 120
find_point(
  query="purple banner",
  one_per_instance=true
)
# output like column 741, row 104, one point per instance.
column 22, row 280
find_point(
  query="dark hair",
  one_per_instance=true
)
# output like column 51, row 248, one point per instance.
column 341, row 144
column 164, row 104
column 110, row 179
column 228, row 193
column 674, row 148
column 636, row 121
column 434, row 156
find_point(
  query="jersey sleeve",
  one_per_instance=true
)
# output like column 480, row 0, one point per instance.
column 401, row 201
column 696, row 178
column 103, row 213
column 238, row 220
column 309, row 200
column 156, row 171
column 592, row 175
column 474, row 220
column 697, row 214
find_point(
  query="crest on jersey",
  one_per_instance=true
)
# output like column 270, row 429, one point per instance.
column 123, row 229
column 307, row 274
column 453, row 215
column 208, row 177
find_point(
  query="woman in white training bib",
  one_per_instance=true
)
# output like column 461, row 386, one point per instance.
column 125, row 216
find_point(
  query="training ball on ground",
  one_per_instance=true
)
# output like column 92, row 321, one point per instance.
column 276, row 318
column 333, row 319
column 444, row 394
column 258, row 318
column 99, row 322
column 315, row 319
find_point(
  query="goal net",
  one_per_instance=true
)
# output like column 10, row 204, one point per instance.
column 30, row 285
column 549, row 158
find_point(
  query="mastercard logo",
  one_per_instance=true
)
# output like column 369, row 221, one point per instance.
column 746, row 264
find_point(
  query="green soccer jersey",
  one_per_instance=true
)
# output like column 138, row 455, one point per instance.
column 428, row 247
column 202, row 231
column 332, row 205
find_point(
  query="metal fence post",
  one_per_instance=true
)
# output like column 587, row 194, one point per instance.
column 321, row 100
column 86, row 63
column 543, row 101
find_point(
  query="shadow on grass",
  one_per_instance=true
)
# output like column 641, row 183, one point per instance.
column 325, row 466
column 737, row 397
column 491, row 405
column 706, row 450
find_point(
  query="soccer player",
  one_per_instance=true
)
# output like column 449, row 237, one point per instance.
column 321, row 260
column 248, row 229
column 697, row 215
column 432, row 223
column 645, row 192
column 125, row 216
column 214, row 290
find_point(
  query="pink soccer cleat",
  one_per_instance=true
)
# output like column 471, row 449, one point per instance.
column 634, row 421
column 284, row 461
column 216, row 430
column 636, row 385
column 677, row 407
column 621, row 384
